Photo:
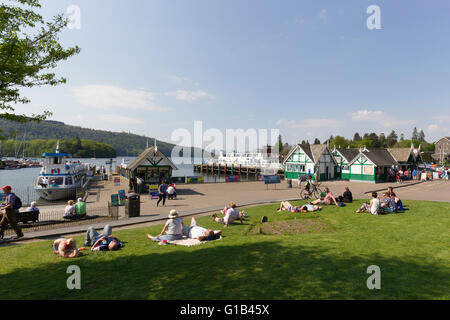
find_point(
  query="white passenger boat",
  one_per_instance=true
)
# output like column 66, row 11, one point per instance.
column 60, row 177
column 261, row 160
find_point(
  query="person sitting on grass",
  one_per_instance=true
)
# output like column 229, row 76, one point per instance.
column 66, row 248
column 80, row 207
column 286, row 206
column 347, row 196
column 398, row 202
column 390, row 190
column 374, row 207
column 388, row 203
column 104, row 241
column 194, row 231
column 328, row 200
column 69, row 211
column 173, row 228
column 231, row 214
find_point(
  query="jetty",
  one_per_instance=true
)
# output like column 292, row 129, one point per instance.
column 233, row 169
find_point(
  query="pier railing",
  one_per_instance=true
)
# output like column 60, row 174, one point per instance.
column 54, row 219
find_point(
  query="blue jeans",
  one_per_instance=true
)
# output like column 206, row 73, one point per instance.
column 92, row 235
column 168, row 237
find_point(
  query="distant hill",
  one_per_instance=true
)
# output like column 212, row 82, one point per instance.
column 124, row 143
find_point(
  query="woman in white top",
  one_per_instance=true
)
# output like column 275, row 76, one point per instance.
column 373, row 207
column 173, row 228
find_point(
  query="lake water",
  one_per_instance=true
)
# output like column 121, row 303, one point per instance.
column 21, row 180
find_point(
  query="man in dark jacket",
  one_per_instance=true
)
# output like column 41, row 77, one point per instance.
column 9, row 213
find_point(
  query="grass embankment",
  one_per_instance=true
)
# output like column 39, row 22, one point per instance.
column 324, row 257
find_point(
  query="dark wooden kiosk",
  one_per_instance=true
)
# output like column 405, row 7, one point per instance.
column 152, row 166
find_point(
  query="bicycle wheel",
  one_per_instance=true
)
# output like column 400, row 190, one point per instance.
column 304, row 194
column 317, row 192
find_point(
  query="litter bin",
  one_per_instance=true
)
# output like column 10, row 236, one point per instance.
column 289, row 183
column 133, row 205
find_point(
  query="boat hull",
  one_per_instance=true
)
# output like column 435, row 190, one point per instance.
column 52, row 194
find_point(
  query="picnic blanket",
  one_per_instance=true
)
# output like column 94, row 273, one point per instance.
column 189, row 242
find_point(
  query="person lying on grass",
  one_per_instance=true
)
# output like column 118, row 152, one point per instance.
column 104, row 241
column 194, row 231
column 66, row 248
column 388, row 204
column 173, row 228
column 328, row 200
column 286, row 206
column 231, row 214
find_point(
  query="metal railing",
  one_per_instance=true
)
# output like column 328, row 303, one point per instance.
column 48, row 220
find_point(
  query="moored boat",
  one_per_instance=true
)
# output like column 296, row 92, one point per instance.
column 60, row 177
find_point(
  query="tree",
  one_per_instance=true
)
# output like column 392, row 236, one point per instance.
column 391, row 139
column 375, row 141
column 357, row 137
column 421, row 136
column 316, row 141
column 382, row 140
column 278, row 147
column 415, row 134
column 402, row 137
column 29, row 47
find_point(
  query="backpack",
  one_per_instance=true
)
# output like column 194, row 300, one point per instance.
column 17, row 204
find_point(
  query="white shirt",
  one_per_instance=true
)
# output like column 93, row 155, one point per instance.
column 196, row 232
column 375, row 206
column 231, row 215
column 170, row 190
column 69, row 209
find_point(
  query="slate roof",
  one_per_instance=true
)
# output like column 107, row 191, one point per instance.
column 348, row 153
column 400, row 154
column 381, row 157
column 148, row 153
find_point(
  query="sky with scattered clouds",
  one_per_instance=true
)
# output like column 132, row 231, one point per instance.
column 308, row 68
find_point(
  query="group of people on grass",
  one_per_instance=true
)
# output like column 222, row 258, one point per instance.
column 387, row 203
column 174, row 229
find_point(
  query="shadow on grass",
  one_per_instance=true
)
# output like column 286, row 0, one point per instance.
column 261, row 270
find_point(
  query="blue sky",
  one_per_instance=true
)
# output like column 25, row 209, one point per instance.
column 307, row 68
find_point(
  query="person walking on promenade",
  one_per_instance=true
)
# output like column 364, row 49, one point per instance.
column 9, row 213
column 162, row 189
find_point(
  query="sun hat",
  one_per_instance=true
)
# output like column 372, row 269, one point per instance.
column 173, row 214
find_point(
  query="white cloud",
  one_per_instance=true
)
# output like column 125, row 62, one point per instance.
column 323, row 15
column 367, row 115
column 118, row 119
column 309, row 123
column 432, row 128
column 177, row 78
column 189, row 96
column 106, row 97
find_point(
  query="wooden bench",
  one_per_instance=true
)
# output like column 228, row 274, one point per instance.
column 26, row 216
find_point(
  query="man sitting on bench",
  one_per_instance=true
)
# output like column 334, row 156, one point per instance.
column 80, row 208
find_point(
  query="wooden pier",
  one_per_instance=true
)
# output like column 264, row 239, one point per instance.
column 233, row 169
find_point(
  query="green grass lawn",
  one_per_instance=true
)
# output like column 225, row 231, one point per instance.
column 327, row 260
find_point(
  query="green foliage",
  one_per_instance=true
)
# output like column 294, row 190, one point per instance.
column 77, row 148
column 29, row 47
column 124, row 143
